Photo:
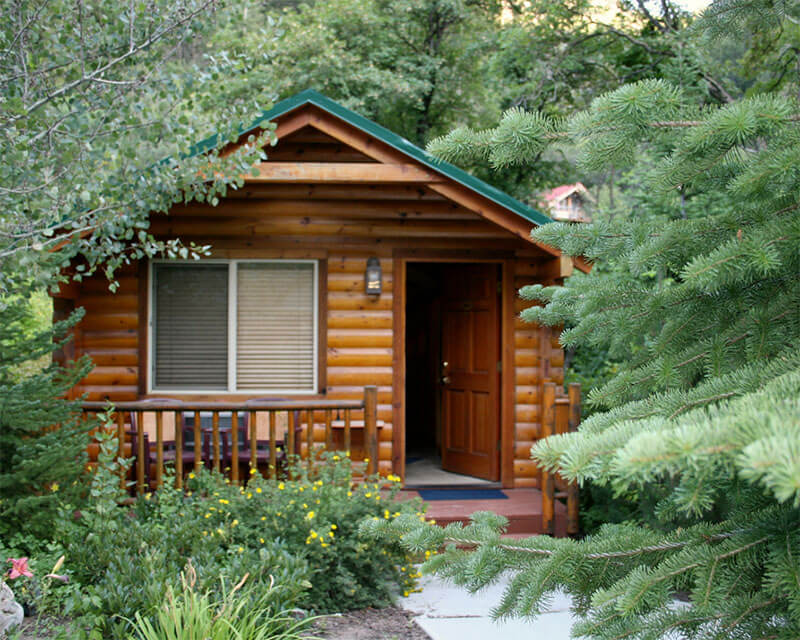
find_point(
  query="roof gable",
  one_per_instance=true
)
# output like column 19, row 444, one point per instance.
column 396, row 142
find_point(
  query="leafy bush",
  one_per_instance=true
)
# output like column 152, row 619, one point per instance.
column 297, row 541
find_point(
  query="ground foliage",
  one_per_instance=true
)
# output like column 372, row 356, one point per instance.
column 296, row 542
column 703, row 311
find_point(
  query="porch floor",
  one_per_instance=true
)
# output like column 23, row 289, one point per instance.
column 523, row 508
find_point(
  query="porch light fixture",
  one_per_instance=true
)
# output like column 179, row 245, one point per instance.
column 373, row 277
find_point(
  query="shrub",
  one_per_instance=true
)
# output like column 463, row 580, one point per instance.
column 297, row 540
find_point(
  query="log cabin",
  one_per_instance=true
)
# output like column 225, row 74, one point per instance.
column 352, row 260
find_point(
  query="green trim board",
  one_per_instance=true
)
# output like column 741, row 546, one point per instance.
column 309, row 96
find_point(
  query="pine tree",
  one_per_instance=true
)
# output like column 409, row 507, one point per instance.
column 704, row 313
column 43, row 440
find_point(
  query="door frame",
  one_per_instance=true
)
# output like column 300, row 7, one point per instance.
column 506, row 260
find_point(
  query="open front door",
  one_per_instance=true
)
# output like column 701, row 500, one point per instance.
column 469, row 370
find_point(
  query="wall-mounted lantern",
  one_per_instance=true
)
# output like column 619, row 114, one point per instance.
column 373, row 277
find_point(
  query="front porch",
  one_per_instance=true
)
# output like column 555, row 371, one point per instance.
column 261, row 436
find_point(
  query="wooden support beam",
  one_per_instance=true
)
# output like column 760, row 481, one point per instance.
column 341, row 172
column 548, row 480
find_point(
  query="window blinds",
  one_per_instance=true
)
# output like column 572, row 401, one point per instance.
column 275, row 326
column 191, row 326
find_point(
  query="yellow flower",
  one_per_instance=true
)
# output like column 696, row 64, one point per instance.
column 234, row 523
column 366, row 459
column 325, row 544
column 349, row 494
column 147, row 495
column 258, row 489
column 310, row 515
column 336, row 458
column 331, row 534
column 265, row 517
column 188, row 494
column 281, row 486
column 224, row 501
column 393, row 478
column 191, row 476
column 261, row 540
column 208, row 515
column 54, row 487
column 253, row 471
column 333, row 526
column 241, row 549
column 368, row 494
column 220, row 532
column 313, row 534
column 249, row 495
column 386, row 514
column 205, row 533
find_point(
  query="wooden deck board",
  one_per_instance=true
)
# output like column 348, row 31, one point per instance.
column 523, row 508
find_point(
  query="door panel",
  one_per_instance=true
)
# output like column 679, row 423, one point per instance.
column 470, row 380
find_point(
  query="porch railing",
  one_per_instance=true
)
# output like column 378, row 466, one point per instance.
column 215, row 445
column 560, row 414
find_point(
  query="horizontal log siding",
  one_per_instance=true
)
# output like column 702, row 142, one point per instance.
column 538, row 359
column 344, row 225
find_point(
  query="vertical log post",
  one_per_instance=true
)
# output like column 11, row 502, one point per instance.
column 121, row 448
column 548, row 481
column 160, row 448
column 347, row 433
column 215, row 439
column 371, row 428
column 234, row 447
column 290, row 441
column 328, row 431
column 574, row 392
column 253, row 444
column 198, row 442
column 273, row 454
column 310, row 438
column 140, row 453
column 179, row 449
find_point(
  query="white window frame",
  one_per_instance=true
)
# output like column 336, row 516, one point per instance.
column 233, row 266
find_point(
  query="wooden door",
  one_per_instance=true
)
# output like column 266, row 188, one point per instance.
column 469, row 370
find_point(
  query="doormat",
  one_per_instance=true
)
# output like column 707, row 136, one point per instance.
column 461, row 494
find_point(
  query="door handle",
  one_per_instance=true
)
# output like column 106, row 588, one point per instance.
column 445, row 379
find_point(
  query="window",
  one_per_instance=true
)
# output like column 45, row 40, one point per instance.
column 237, row 325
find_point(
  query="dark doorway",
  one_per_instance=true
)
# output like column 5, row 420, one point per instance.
column 452, row 380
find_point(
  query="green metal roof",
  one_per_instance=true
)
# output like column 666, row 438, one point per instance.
column 309, row 96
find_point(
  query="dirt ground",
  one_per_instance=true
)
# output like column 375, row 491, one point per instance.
column 371, row 624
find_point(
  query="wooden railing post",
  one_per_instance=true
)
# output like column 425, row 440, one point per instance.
column 548, row 480
column 121, row 448
column 371, row 427
column 574, row 393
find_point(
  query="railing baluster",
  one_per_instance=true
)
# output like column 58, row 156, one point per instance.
column 198, row 442
column 273, row 454
column 347, row 430
column 215, row 438
column 290, row 439
column 573, row 518
column 328, row 431
column 140, row 452
column 548, row 480
column 253, row 442
column 179, row 449
column 310, row 437
column 371, row 428
column 235, row 447
column 121, row 447
column 159, row 448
